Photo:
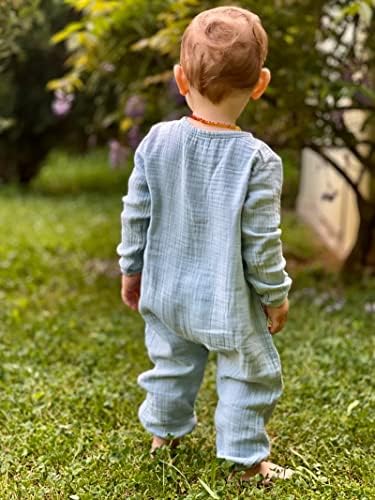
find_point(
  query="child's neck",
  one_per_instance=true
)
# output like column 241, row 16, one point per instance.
column 227, row 111
column 213, row 115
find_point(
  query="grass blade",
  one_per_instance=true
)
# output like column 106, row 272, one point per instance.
column 208, row 489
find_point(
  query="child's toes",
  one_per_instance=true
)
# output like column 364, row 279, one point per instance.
column 158, row 442
column 269, row 471
column 280, row 472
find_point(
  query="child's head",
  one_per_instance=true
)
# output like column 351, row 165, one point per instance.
column 223, row 51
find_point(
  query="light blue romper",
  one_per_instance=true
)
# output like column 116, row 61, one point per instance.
column 201, row 222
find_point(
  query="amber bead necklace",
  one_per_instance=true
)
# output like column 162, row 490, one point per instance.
column 215, row 124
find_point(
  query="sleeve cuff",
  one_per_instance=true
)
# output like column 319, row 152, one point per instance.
column 276, row 297
column 130, row 268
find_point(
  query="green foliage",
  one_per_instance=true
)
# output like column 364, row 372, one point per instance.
column 142, row 54
column 15, row 18
column 28, row 60
column 298, row 243
column 291, row 163
column 70, row 354
column 102, row 58
column 321, row 57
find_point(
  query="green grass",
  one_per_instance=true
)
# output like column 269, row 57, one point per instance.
column 70, row 353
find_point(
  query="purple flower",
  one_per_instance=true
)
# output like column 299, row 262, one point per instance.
column 135, row 107
column 174, row 93
column 134, row 136
column 62, row 103
column 118, row 154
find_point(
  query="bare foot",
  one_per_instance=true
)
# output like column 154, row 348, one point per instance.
column 158, row 442
column 268, row 471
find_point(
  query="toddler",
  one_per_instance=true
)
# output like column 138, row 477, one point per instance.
column 201, row 256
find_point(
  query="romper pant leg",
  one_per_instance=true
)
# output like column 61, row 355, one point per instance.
column 249, row 385
column 172, row 385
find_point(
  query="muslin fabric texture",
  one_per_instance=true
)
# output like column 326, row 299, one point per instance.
column 201, row 222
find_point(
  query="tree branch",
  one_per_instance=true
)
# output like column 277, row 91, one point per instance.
column 361, row 174
column 348, row 137
column 338, row 169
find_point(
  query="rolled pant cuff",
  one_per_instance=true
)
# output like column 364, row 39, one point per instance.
column 241, row 463
column 172, row 430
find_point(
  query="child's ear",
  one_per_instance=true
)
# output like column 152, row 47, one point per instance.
column 262, row 84
column 181, row 80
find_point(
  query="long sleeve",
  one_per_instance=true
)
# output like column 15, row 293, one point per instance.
column 135, row 217
column 264, row 264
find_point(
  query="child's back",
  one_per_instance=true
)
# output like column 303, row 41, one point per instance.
column 193, row 277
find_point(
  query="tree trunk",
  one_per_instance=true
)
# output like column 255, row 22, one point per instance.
column 27, row 170
column 21, row 161
column 363, row 252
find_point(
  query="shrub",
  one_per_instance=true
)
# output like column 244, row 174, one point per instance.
column 30, row 121
column 321, row 57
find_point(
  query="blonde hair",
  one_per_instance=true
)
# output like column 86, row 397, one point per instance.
column 223, row 50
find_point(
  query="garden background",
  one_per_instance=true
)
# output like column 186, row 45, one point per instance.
column 72, row 111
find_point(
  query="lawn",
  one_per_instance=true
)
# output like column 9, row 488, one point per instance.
column 70, row 354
